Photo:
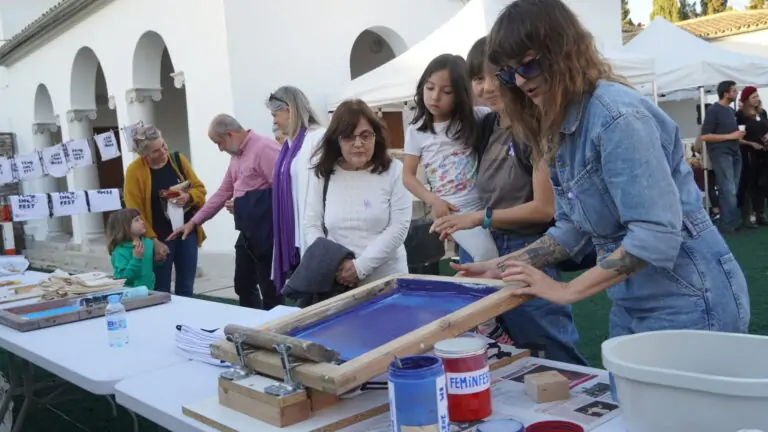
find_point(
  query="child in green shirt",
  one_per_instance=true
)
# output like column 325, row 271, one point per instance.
column 132, row 254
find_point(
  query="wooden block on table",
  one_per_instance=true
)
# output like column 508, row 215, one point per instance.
column 247, row 397
column 547, row 386
column 321, row 400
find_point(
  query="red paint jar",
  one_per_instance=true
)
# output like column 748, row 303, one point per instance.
column 467, row 376
column 554, row 426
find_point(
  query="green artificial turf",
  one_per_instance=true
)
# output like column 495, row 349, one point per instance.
column 591, row 316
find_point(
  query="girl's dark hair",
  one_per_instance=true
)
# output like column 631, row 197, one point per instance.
column 119, row 227
column 343, row 124
column 476, row 58
column 461, row 126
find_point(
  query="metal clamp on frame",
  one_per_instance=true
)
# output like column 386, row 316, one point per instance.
column 288, row 386
column 237, row 372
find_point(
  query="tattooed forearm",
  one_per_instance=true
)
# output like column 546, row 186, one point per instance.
column 623, row 262
column 541, row 253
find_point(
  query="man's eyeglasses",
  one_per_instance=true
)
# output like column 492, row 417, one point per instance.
column 365, row 138
column 150, row 133
column 528, row 70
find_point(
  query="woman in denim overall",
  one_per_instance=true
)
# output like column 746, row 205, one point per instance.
column 620, row 182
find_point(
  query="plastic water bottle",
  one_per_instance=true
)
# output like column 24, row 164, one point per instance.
column 117, row 322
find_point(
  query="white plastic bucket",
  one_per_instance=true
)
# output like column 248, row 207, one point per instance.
column 685, row 380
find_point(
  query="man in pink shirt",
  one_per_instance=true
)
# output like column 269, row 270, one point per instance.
column 246, row 191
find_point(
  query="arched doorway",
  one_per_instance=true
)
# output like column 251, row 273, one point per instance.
column 92, row 113
column 46, row 133
column 372, row 48
column 159, row 95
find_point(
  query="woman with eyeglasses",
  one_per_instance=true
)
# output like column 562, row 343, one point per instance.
column 154, row 181
column 366, row 207
column 620, row 180
column 300, row 125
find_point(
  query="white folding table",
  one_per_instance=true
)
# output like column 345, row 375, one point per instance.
column 80, row 354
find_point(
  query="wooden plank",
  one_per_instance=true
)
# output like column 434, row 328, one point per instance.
column 302, row 349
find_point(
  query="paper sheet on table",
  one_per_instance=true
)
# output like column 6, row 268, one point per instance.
column 104, row 200
column 68, row 203
column 6, row 171
column 29, row 207
column 54, row 161
column 590, row 404
column 29, row 166
column 107, row 144
column 79, row 153
column 176, row 215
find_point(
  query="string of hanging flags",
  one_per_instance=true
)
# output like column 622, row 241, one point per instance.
column 58, row 160
column 48, row 205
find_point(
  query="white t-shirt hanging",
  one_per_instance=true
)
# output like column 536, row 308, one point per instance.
column 6, row 171
column 54, row 161
column 29, row 166
column 79, row 153
column 107, row 143
column 68, row 203
column 104, row 200
column 29, row 207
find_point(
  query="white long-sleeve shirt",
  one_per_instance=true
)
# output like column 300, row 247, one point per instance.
column 369, row 214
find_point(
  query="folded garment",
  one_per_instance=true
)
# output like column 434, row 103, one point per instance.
column 196, row 344
column 62, row 285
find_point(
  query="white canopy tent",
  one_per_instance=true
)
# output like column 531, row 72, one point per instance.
column 688, row 66
column 395, row 81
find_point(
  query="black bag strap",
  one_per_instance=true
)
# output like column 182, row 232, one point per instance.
column 179, row 166
column 326, row 181
column 487, row 124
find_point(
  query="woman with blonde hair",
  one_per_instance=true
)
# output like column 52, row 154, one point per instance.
column 154, row 181
column 621, row 183
column 300, row 125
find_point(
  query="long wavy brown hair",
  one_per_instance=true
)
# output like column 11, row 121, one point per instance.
column 569, row 61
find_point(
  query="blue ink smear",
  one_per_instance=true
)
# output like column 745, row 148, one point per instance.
column 412, row 304
column 50, row 312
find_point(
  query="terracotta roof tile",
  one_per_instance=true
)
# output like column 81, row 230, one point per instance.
column 716, row 26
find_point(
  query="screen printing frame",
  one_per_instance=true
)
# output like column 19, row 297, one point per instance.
column 339, row 379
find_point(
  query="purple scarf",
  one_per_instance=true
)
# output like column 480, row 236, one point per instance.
column 283, row 214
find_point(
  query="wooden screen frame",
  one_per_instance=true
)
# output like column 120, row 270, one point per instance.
column 339, row 379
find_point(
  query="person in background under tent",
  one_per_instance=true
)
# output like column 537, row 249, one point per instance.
column 754, row 159
column 518, row 207
column 246, row 191
column 722, row 135
column 620, row 180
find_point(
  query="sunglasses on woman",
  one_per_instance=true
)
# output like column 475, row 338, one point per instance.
column 528, row 70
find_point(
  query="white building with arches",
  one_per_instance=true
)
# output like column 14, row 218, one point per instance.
column 74, row 68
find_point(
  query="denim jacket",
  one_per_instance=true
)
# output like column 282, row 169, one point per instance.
column 620, row 177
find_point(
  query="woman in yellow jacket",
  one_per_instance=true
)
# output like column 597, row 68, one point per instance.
column 148, row 181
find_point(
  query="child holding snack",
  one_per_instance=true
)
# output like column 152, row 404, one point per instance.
column 131, row 252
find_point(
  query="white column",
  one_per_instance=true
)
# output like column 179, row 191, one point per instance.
column 90, row 226
column 141, row 104
column 42, row 136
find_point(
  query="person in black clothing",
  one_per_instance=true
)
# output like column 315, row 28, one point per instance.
column 754, row 173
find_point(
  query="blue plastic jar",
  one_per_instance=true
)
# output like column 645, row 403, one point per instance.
column 417, row 393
